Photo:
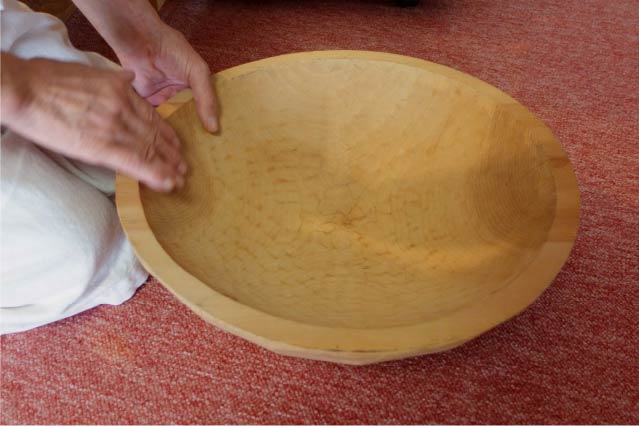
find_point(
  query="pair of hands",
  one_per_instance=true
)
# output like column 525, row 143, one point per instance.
column 106, row 117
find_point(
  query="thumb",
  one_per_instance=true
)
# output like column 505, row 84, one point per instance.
column 205, row 99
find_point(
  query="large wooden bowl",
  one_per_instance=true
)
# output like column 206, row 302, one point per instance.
column 357, row 207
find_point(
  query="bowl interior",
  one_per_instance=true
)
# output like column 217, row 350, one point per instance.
column 356, row 194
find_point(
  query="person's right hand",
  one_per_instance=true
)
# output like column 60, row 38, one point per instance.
column 91, row 115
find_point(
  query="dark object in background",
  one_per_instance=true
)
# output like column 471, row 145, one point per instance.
column 406, row 3
column 61, row 9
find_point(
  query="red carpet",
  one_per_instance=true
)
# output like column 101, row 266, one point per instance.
column 573, row 357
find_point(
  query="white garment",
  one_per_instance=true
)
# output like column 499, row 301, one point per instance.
column 62, row 248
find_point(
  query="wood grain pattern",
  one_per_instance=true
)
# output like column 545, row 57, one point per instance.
column 358, row 207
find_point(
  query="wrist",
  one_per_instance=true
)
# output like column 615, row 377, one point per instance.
column 147, row 43
column 139, row 42
column 130, row 27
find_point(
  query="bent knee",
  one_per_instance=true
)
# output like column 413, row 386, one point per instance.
column 56, row 256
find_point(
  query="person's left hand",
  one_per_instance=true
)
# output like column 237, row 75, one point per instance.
column 169, row 65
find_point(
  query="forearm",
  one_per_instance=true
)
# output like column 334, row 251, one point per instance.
column 126, row 25
column 15, row 88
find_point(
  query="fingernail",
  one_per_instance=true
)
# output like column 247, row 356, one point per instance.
column 214, row 125
column 168, row 184
column 182, row 167
column 179, row 181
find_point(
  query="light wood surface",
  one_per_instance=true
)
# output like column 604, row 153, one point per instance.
column 357, row 207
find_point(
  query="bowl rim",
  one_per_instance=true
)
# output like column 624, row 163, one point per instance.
column 351, row 345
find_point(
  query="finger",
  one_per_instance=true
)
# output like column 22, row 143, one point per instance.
column 146, row 136
column 170, row 153
column 205, row 99
column 168, row 133
column 166, row 143
column 153, row 137
column 164, row 94
column 127, row 75
column 151, row 170
column 145, row 122
column 172, row 157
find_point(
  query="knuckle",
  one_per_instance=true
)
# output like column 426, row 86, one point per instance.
column 110, row 89
column 159, row 174
column 118, row 87
column 125, row 161
column 113, row 101
column 113, row 116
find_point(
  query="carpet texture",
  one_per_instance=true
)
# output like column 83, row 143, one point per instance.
column 572, row 357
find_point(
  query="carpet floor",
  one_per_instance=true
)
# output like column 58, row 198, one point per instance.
column 572, row 357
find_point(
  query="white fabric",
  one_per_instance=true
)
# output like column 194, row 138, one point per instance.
column 62, row 248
